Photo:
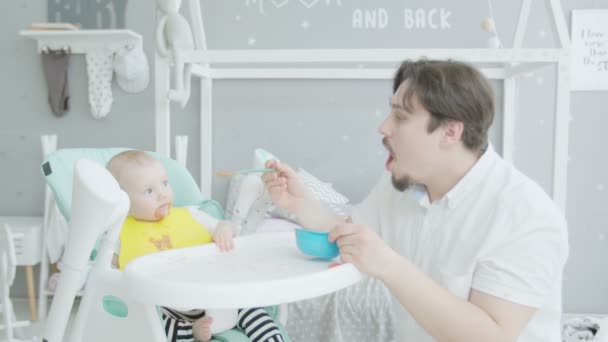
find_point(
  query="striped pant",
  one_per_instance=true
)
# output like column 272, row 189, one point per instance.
column 255, row 323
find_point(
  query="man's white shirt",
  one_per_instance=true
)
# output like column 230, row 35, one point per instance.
column 496, row 232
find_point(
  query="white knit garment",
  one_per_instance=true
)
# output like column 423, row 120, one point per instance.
column 99, row 70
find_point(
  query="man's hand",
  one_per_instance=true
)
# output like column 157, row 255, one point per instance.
column 285, row 187
column 224, row 236
column 362, row 247
column 290, row 193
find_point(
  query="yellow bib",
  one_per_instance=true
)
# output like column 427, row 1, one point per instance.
column 179, row 229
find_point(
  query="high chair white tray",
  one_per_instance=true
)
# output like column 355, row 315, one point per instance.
column 263, row 269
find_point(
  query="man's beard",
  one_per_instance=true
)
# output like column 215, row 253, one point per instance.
column 401, row 184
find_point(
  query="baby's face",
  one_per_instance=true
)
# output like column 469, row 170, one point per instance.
column 149, row 191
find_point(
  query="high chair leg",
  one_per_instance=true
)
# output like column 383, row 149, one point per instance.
column 8, row 317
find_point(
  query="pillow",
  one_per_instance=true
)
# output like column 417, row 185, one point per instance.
column 260, row 157
column 247, row 202
column 262, row 208
column 247, row 193
column 324, row 192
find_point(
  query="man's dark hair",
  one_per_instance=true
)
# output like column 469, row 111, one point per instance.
column 450, row 91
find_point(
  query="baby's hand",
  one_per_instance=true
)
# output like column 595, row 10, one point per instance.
column 224, row 236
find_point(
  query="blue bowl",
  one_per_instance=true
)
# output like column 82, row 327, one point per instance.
column 316, row 244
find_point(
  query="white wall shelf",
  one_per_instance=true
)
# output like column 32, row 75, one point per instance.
column 81, row 41
column 482, row 55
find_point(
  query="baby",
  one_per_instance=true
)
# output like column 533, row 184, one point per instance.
column 154, row 225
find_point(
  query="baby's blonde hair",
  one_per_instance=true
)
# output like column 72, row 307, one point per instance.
column 123, row 160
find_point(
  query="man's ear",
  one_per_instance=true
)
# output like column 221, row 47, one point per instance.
column 452, row 132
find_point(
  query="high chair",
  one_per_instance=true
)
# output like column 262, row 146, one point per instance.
column 95, row 206
column 8, row 265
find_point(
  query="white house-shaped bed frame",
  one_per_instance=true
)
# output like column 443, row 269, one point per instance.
column 502, row 63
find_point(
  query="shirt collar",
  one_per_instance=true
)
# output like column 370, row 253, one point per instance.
column 470, row 180
column 418, row 193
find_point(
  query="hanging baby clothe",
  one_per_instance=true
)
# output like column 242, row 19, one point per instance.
column 55, row 64
column 131, row 68
column 99, row 70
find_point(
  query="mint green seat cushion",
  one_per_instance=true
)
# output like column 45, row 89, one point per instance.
column 58, row 170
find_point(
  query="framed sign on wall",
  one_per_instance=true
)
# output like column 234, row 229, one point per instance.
column 589, row 49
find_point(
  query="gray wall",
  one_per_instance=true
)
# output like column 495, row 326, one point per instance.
column 326, row 127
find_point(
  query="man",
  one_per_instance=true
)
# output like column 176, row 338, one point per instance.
column 470, row 248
